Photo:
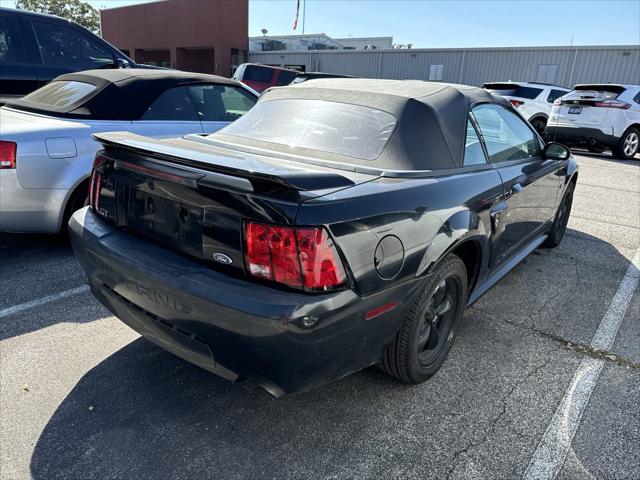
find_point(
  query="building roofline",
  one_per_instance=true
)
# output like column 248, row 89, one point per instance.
column 134, row 5
column 473, row 49
column 363, row 38
column 301, row 35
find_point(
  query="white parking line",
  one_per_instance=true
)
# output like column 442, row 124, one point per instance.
column 552, row 450
column 5, row 312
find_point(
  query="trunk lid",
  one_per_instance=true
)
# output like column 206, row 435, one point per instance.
column 194, row 197
column 579, row 107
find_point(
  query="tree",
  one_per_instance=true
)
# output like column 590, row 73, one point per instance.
column 75, row 10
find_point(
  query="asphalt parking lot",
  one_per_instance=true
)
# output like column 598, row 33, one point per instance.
column 523, row 393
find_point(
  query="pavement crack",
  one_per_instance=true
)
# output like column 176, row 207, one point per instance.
column 494, row 423
column 571, row 345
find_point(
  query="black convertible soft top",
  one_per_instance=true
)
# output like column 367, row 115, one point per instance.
column 121, row 94
column 431, row 118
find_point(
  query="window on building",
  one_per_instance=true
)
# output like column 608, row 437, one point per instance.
column 547, row 73
column 473, row 151
column 221, row 103
column 69, row 48
column 11, row 48
column 506, row 135
column 436, row 72
column 173, row 105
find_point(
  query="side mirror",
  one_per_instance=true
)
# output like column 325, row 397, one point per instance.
column 556, row 151
column 122, row 63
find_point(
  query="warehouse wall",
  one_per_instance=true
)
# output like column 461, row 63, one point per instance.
column 563, row 66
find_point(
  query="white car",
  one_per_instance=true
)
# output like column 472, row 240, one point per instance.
column 46, row 148
column 532, row 100
column 598, row 117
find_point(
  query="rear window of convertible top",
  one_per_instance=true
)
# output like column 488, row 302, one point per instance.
column 341, row 128
column 60, row 93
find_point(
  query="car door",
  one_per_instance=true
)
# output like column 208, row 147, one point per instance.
column 218, row 105
column 172, row 114
column 17, row 75
column 531, row 183
column 63, row 48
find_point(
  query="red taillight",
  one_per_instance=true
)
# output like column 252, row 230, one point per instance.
column 302, row 258
column 7, row 155
column 516, row 103
column 96, row 183
column 613, row 104
column 319, row 260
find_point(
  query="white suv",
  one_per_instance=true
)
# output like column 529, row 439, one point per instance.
column 533, row 100
column 598, row 117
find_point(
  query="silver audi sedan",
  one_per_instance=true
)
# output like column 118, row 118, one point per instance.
column 46, row 148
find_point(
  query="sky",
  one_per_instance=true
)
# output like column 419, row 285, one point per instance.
column 449, row 23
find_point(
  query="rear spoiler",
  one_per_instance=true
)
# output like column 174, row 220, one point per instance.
column 182, row 151
column 602, row 87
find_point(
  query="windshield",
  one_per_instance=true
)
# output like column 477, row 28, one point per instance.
column 60, row 93
column 345, row 129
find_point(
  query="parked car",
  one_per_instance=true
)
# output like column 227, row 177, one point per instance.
column 338, row 224
column 305, row 76
column 533, row 100
column 261, row 77
column 35, row 48
column 46, row 149
column 599, row 117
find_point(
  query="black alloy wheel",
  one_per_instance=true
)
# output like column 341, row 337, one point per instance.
column 427, row 333
column 559, row 225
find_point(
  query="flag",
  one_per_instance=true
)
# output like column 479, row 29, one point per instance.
column 295, row 23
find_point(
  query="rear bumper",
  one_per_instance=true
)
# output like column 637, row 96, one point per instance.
column 579, row 136
column 230, row 326
column 28, row 210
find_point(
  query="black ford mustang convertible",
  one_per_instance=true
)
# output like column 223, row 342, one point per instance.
column 340, row 223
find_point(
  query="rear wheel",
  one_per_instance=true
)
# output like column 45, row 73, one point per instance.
column 628, row 145
column 79, row 198
column 428, row 331
column 559, row 225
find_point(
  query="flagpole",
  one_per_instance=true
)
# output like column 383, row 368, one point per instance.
column 304, row 10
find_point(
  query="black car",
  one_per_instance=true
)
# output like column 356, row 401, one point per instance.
column 340, row 223
column 35, row 48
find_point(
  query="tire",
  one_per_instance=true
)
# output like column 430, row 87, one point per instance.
column 540, row 124
column 79, row 198
column 559, row 225
column 428, row 331
column 628, row 145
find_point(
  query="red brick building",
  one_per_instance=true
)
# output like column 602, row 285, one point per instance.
column 207, row 36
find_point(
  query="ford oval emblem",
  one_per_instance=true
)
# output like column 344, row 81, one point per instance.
column 222, row 258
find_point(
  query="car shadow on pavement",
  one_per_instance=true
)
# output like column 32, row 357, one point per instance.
column 144, row 413
column 607, row 157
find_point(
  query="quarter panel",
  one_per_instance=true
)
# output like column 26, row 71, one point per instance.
column 428, row 215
